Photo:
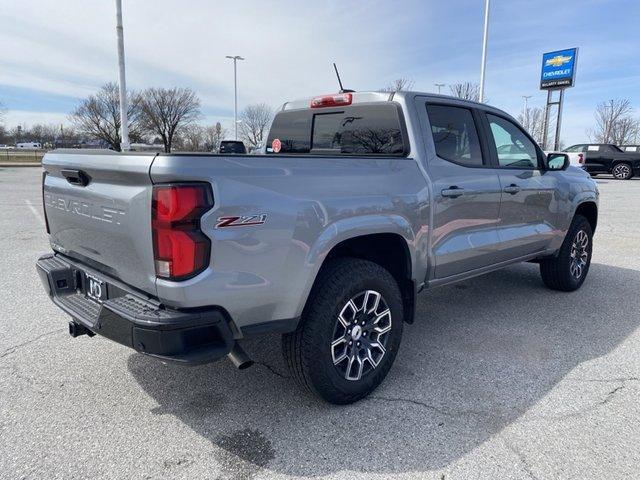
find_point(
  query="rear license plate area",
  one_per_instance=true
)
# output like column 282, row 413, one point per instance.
column 94, row 288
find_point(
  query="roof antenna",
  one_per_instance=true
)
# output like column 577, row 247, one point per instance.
column 342, row 90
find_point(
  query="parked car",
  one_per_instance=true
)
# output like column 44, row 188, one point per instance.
column 608, row 158
column 232, row 146
column 576, row 156
column 4, row 146
column 361, row 201
column 29, row 145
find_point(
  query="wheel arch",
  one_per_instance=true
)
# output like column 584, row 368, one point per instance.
column 389, row 247
column 589, row 210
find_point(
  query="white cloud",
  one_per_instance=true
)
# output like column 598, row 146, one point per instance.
column 29, row 118
column 68, row 48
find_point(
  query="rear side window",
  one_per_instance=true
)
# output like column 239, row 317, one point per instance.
column 610, row 149
column 356, row 130
column 454, row 134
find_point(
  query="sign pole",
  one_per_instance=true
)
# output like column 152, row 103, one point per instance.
column 546, row 121
column 556, row 145
column 558, row 73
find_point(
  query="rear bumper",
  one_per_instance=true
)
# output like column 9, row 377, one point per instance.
column 183, row 336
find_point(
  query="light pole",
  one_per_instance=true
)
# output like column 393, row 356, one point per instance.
column 124, row 121
column 439, row 85
column 235, row 59
column 484, row 50
column 608, row 120
column 525, row 112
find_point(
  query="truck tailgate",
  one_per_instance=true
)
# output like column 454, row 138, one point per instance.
column 98, row 208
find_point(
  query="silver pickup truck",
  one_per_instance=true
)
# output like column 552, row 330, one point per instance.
column 359, row 202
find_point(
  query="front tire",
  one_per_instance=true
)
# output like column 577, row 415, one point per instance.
column 622, row 171
column 568, row 270
column 349, row 332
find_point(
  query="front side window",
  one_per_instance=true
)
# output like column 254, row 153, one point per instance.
column 575, row 149
column 454, row 134
column 514, row 148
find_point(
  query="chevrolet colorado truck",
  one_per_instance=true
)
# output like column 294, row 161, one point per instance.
column 360, row 201
column 608, row 158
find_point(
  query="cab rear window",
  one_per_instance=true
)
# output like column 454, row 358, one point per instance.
column 364, row 129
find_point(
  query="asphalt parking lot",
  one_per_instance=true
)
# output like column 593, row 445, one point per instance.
column 498, row 378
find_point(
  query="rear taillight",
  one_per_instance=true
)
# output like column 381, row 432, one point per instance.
column 180, row 248
column 337, row 100
column 581, row 158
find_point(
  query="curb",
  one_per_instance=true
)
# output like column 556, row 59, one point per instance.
column 20, row 164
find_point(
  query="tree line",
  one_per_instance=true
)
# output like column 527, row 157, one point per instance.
column 172, row 119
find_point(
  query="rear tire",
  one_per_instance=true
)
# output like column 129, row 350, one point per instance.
column 345, row 343
column 568, row 270
column 622, row 171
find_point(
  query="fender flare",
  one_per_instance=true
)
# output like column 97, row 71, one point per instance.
column 346, row 229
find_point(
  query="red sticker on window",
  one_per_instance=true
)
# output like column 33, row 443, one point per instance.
column 276, row 145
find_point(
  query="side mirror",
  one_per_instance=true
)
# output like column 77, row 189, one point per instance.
column 557, row 161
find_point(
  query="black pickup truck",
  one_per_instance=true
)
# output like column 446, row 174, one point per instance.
column 608, row 158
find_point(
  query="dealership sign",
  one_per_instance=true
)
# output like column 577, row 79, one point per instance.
column 558, row 69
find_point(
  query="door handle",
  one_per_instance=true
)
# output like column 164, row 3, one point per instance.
column 512, row 189
column 452, row 192
column 76, row 177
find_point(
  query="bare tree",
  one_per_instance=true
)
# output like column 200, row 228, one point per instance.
column 191, row 138
column 45, row 134
column 254, row 122
column 213, row 135
column 164, row 111
column 98, row 116
column 399, row 85
column 466, row 91
column 614, row 122
column 626, row 130
column 533, row 122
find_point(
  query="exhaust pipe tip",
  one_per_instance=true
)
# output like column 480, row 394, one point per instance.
column 239, row 358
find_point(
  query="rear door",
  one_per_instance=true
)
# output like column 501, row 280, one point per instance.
column 596, row 159
column 529, row 203
column 98, row 208
column 466, row 190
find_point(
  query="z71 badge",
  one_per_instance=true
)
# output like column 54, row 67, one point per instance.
column 241, row 221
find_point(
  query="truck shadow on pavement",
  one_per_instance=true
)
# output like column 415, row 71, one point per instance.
column 480, row 355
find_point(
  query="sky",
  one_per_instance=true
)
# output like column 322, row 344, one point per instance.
column 54, row 53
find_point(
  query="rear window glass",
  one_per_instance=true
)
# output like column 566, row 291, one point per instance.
column 357, row 130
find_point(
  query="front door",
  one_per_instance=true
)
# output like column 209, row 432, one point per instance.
column 529, row 204
column 466, row 190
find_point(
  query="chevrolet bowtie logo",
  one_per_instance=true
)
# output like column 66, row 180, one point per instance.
column 557, row 61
